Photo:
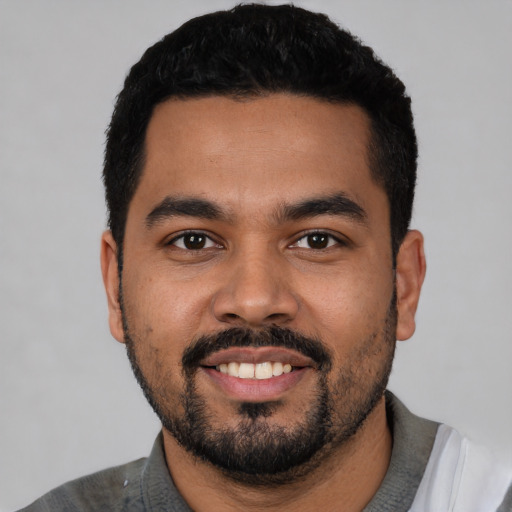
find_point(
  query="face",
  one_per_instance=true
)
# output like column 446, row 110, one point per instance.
column 258, row 295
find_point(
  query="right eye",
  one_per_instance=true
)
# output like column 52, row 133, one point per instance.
column 193, row 241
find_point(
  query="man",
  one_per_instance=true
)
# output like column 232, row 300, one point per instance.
column 259, row 172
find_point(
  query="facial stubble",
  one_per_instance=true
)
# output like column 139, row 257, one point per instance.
column 258, row 451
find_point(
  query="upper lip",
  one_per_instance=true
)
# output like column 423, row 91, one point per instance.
column 257, row 355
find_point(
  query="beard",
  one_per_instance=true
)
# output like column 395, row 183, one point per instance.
column 258, row 451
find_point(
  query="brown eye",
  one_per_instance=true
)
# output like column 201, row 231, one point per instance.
column 318, row 240
column 193, row 241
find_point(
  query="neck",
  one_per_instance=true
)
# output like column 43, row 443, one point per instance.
column 349, row 476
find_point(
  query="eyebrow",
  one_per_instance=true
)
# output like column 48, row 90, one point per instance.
column 335, row 204
column 180, row 206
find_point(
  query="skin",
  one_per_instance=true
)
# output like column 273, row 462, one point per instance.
column 249, row 158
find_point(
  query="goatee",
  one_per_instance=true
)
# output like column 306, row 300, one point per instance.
column 259, row 451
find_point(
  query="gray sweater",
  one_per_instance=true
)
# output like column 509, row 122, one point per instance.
column 146, row 485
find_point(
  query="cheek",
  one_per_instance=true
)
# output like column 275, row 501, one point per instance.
column 347, row 306
column 162, row 311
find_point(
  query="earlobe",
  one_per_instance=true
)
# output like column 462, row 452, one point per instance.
column 410, row 273
column 109, row 270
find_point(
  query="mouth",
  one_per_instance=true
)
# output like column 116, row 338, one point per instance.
column 256, row 374
column 260, row 371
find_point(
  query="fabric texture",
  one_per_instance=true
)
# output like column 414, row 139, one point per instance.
column 461, row 477
column 432, row 469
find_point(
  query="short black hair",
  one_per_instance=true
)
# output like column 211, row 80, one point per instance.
column 255, row 50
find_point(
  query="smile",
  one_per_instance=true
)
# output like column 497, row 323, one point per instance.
column 264, row 370
column 256, row 374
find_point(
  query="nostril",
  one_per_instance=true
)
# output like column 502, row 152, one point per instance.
column 276, row 316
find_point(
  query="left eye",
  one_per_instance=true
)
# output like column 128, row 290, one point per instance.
column 316, row 241
column 193, row 242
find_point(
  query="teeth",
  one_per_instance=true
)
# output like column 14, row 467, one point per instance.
column 246, row 371
column 233, row 369
column 260, row 371
column 263, row 371
column 277, row 369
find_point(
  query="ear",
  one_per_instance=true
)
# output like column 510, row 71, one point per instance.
column 410, row 273
column 109, row 270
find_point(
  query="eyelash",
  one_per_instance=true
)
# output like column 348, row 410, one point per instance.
column 199, row 234
column 331, row 240
column 208, row 240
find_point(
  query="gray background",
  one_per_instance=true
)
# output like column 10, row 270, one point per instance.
column 68, row 402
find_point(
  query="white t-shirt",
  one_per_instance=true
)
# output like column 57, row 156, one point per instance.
column 460, row 477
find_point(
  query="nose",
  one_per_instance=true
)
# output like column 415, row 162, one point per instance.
column 256, row 291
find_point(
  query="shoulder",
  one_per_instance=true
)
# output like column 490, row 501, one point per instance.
column 463, row 477
column 112, row 489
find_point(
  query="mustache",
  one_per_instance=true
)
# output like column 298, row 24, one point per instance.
column 272, row 336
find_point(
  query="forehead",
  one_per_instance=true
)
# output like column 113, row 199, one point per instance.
column 256, row 152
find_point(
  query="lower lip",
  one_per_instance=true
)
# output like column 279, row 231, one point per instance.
column 256, row 390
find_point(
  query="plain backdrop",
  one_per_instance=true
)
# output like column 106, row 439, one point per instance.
column 68, row 402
